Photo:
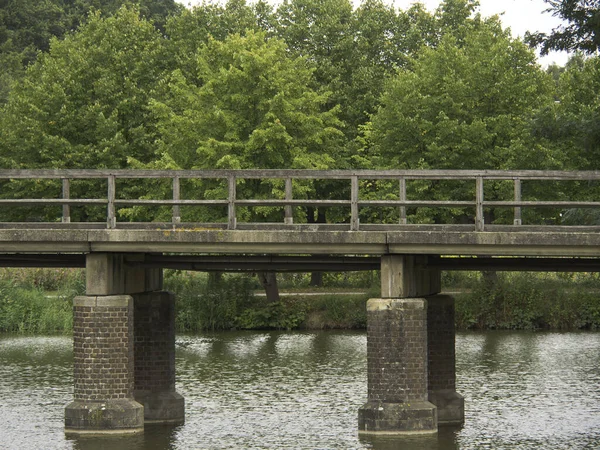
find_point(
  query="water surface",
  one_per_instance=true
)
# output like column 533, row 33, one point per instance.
column 302, row 390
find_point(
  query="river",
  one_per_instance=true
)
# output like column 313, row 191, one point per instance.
column 302, row 390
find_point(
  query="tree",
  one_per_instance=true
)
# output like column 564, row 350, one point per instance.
column 464, row 107
column 156, row 11
column 465, row 104
column 84, row 104
column 249, row 105
column 192, row 28
column 383, row 41
column 582, row 32
column 27, row 27
column 572, row 123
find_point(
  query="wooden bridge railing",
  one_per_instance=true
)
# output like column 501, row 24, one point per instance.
column 354, row 202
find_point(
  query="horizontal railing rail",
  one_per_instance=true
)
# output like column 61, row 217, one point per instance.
column 354, row 202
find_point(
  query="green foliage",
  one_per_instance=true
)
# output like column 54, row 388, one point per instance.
column 28, row 26
column 581, row 31
column 39, row 300
column 229, row 303
column 27, row 310
column 282, row 315
column 45, row 279
column 530, row 301
column 573, row 121
column 339, row 311
column 464, row 105
column 84, row 104
column 467, row 103
column 204, row 304
column 247, row 106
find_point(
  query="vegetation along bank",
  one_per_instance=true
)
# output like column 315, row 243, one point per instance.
column 40, row 301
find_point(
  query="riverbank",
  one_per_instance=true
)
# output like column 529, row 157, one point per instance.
column 40, row 301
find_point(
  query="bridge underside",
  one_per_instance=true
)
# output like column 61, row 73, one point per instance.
column 307, row 263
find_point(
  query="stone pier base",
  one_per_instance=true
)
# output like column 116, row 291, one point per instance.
column 162, row 407
column 441, row 361
column 104, row 417
column 450, row 406
column 397, row 418
column 103, row 367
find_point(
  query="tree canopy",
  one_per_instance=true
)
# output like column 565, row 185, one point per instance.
column 463, row 105
column 307, row 84
column 85, row 103
column 249, row 105
column 581, row 33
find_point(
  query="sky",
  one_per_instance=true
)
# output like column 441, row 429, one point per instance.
column 519, row 15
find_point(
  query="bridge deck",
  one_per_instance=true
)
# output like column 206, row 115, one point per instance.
column 444, row 241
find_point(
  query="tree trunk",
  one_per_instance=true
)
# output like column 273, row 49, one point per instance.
column 316, row 279
column 269, row 282
column 215, row 278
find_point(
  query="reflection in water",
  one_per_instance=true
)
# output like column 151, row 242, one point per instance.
column 445, row 440
column 303, row 390
column 155, row 437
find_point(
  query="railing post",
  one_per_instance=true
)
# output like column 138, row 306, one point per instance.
column 354, row 221
column 66, row 195
column 518, row 220
column 231, row 219
column 479, row 220
column 176, row 197
column 289, row 211
column 111, row 219
column 403, row 199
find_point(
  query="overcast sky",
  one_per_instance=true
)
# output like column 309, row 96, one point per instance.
column 519, row 15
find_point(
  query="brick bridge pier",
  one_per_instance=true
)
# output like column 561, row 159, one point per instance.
column 124, row 350
column 410, row 353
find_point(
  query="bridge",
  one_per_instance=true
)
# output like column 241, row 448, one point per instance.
column 126, row 226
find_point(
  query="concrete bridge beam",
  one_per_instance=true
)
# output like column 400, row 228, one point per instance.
column 124, row 349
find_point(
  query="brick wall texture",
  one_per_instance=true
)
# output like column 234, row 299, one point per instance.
column 154, row 342
column 103, row 348
column 397, row 350
column 441, row 337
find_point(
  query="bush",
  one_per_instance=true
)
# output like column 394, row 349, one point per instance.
column 46, row 279
column 208, row 303
column 526, row 301
column 27, row 310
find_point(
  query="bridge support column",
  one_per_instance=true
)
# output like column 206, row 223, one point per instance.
column 155, row 358
column 397, row 352
column 113, row 349
column 442, row 370
column 103, row 367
